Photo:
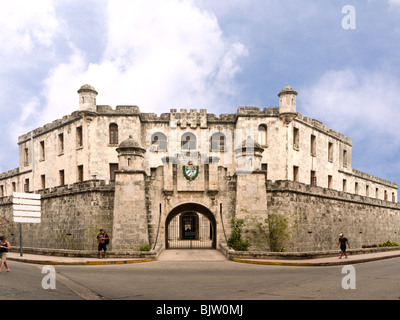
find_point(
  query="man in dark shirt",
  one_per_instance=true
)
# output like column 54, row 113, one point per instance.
column 101, row 242
column 342, row 242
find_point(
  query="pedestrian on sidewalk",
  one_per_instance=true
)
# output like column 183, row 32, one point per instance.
column 102, row 241
column 4, row 247
column 343, row 242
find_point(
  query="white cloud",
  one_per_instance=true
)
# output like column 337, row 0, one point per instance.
column 394, row 2
column 24, row 24
column 363, row 106
column 159, row 55
column 355, row 101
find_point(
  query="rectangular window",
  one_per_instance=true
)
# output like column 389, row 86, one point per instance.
column 330, row 151
column 264, row 167
column 62, row 177
column 1, row 191
column 345, row 158
column 61, row 143
column 313, row 146
column 43, row 180
column 367, row 190
column 344, row 185
column 79, row 137
column 296, row 173
column 113, row 168
column 330, row 182
column 393, row 197
column 313, row 178
column 26, row 186
column 14, row 187
column 42, row 151
column 377, row 193
column 296, row 144
column 385, row 196
column 80, row 173
column 26, row 156
column 356, row 188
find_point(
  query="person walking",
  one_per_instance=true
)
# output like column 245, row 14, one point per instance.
column 4, row 247
column 102, row 241
column 343, row 242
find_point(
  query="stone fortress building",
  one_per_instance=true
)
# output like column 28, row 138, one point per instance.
column 177, row 179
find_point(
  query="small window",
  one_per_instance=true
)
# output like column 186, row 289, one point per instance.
column 330, row 151
column 393, row 197
column 262, row 135
column 330, row 182
column 61, row 143
column 26, row 156
column 264, row 167
column 218, row 142
column 344, row 185
column 356, row 188
column 1, row 191
column 188, row 141
column 377, row 193
column 296, row 173
column 113, row 131
column 80, row 173
column 14, row 187
column 159, row 142
column 43, row 181
column 62, row 177
column 113, row 168
column 79, row 137
column 313, row 146
column 296, row 143
column 313, row 178
column 42, row 151
column 26, row 186
column 345, row 158
column 367, row 190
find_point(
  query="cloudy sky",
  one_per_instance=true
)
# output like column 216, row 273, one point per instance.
column 211, row 54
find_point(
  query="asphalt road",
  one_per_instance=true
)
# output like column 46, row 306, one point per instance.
column 199, row 280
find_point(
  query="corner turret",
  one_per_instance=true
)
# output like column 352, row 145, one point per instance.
column 287, row 104
column 87, row 98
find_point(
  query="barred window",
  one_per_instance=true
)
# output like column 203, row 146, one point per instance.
column 113, row 131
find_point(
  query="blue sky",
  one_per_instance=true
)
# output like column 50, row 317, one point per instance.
column 217, row 55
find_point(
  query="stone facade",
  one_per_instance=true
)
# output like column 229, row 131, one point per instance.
column 125, row 171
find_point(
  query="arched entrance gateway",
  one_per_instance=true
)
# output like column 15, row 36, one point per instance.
column 190, row 226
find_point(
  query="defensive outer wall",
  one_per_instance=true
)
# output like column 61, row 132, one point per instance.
column 72, row 215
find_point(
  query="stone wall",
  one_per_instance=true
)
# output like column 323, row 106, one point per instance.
column 318, row 215
column 71, row 217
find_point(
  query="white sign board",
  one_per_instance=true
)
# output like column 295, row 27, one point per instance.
column 26, row 207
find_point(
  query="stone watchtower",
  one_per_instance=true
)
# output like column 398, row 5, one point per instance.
column 87, row 98
column 287, row 104
column 130, row 229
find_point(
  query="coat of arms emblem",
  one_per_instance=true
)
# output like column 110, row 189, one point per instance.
column 190, row 171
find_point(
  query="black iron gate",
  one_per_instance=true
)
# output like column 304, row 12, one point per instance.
column 190, row 230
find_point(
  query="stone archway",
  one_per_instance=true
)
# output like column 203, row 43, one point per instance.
column 190, row 226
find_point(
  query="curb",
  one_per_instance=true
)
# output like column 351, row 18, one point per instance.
column 313, row 264
column 86, row 263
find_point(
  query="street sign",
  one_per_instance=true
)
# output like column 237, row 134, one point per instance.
column 26, row 207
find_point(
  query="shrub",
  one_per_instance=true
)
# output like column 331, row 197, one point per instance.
column 272, row 231
column 388, row 243
column 235, row 241
column 145, row 247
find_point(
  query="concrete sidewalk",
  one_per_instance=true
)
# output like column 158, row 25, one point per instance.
column 201, row 255
column 326, row 261
column 56, row 260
